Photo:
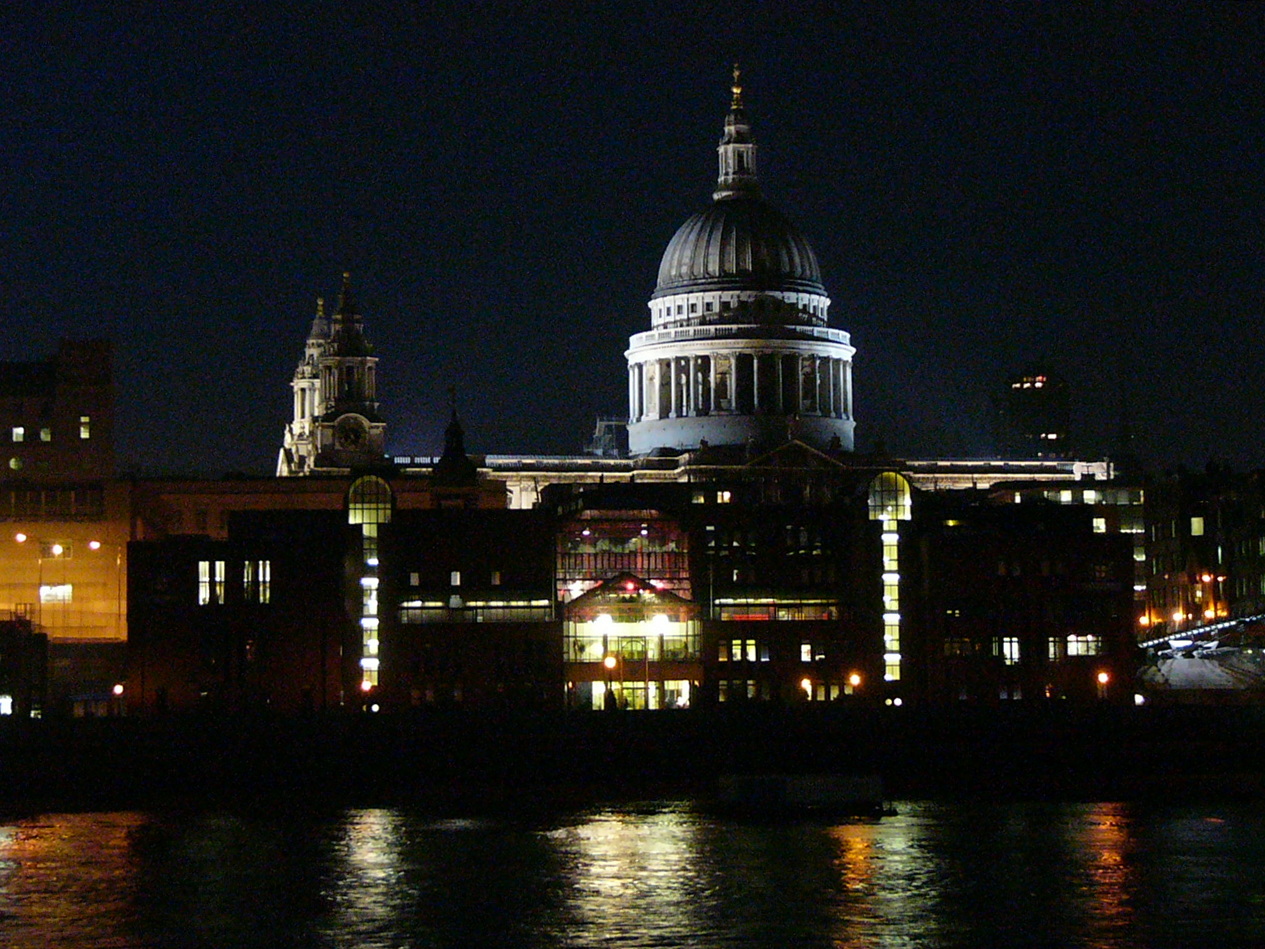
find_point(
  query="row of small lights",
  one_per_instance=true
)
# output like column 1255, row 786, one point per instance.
column 57, row 549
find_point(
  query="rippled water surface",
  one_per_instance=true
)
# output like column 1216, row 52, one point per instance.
column 1097, row 875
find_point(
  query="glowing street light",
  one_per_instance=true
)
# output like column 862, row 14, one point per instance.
column 609, row 701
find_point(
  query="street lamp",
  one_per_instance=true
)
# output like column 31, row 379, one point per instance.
column 609, row 701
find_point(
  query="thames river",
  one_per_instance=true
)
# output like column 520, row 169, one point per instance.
column 655, row 874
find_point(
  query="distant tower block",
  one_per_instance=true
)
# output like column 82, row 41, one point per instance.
column 1033, row 416
column 739, row 351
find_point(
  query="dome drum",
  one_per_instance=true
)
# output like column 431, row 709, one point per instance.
column 727, row 392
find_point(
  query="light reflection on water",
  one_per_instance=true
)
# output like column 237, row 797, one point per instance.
column 1096, row 875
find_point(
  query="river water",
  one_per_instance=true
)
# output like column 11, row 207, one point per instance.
column 658, row 874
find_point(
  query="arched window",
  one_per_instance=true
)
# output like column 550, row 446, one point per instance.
column 890, row 498
column 369, row 501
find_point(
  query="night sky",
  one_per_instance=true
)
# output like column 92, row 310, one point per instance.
column 985, row 186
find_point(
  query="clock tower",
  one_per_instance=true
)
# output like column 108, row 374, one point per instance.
column 336, row 423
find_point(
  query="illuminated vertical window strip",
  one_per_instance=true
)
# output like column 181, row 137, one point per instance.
column 369, row 505
column 890, row 502
column 257, row 580
column 210, row 582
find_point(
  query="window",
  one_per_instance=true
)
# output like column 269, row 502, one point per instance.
column 723, row 497
column 1196, row 523
column 46, row 434
column 805, row 652
column 496, row 578
column 454, row 578
column 210, row 582
column 1007, row 647
column 1100, row 525
column 890, row 498
column 57, row 593
column 257, row 580
column 19, row 433
column 85, row 427
column 1086, row 645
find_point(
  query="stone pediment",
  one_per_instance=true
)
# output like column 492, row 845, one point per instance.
column 798, row 455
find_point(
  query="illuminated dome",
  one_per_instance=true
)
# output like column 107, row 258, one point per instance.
column 739, row 243
column 739, row 351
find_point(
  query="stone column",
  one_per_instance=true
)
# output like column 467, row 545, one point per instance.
column 847, row 389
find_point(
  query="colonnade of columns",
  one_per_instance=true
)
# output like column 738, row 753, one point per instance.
column 740, row 384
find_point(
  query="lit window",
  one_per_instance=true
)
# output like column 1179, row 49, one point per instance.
column 57, row 593
column 210, row 582
column 1196, row 527
column 46, row 434
column 723, row 497
column 19, row 433
column 85, row 427
column 15, row 464
column 454, row 578
column 6, row 704
column 1008, row 648
column 1100, row 525
column 496, row 578
column 414, row 579
column 257, row 580
column 805, row 652
column 1086, row 645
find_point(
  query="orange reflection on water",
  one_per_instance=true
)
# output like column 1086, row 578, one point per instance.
column 1107, row 839
column 68, row 879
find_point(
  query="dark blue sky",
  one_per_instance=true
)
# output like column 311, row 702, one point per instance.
column 985, row 186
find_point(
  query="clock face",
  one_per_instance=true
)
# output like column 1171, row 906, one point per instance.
column 349, row 432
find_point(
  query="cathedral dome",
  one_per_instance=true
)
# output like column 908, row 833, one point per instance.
column 739, row 243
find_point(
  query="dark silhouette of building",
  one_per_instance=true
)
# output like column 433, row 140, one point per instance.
column 1034, row 416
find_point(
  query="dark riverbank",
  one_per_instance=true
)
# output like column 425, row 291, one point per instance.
column 475, row 760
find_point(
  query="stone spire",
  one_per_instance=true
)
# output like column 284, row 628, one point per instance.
column 454, row 468
column 737, row 177
column 320, row 322
column 348, row 336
